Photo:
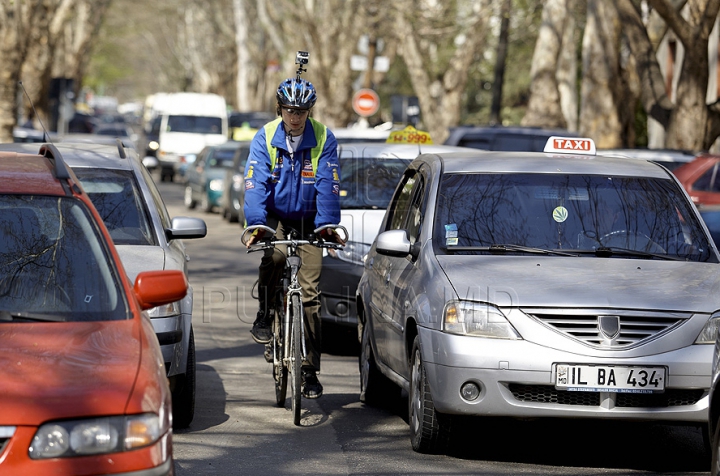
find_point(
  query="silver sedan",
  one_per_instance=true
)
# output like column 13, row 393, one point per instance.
column 556, row 284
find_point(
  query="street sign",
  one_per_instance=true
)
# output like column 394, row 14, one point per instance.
column 360, row 63
column 365, row 102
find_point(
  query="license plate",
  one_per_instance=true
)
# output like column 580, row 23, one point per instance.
column 607, row 378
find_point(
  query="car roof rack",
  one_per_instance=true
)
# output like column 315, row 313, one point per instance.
column 121, row 148
column 52, row 153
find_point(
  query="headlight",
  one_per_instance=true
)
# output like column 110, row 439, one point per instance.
column 153, row 145
column 216, row 185
column 353, row 252
column 238, row 182
column 167, row 310
column 97, row 435
column 477, row 319
column 710, row 331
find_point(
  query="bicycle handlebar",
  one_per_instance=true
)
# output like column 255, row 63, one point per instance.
column 271, row 243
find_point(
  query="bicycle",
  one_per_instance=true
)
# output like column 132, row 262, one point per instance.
column 288, row 336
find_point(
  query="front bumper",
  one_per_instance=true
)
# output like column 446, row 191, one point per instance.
column 516, row 379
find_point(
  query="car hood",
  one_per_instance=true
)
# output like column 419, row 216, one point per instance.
column 189, row 143
column 362, row 225
column 585, row 282
column 137, row 258
column 61, row 370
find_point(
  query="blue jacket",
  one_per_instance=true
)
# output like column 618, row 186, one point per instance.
column 292, row 191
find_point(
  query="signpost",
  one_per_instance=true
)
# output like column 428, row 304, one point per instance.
column 365, row 102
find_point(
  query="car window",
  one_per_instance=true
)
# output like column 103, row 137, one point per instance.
column 416, row 210
column 712, row 221
column 475, row 142
column 708, row 182
column 569, row 212
column 116, row 195
column 402, row 202
column 165, row 220
column 194, row 124
column 516, row 142
column 52, row 260
column 368, row 183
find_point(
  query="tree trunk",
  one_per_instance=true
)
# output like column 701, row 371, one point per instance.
column 602, row 87
column 496, row 106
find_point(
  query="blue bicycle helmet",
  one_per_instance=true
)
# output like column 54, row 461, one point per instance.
column 296, row 92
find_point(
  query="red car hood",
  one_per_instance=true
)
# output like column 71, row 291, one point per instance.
column 60, row 370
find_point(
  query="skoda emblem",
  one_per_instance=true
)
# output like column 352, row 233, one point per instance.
column 609, row 326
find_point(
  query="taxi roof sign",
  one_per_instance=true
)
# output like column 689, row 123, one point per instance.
column 409, row 135
column 570, row 145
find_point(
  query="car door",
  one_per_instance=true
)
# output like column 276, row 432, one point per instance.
column 194, row 175
column 402, row 278
column 380, row 268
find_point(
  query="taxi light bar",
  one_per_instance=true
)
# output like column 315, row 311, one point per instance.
column 570, row 145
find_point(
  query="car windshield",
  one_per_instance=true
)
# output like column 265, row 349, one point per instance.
column 116, row 196
column 369, row 183
column 585, row 215
column 194, row 124
column 53, row 262
column 221, row 158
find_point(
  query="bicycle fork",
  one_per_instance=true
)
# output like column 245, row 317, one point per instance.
column 293, row 289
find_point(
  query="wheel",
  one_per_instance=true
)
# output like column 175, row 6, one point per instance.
column 183, row 397
column 375, row 388
column 280, row 371
column 429, row 430
column 188, row 198
column 296, row 356
column 631, row 240
column 205, row 203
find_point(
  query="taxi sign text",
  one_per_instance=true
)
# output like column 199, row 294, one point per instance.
column 409, row 135
column 570, row 145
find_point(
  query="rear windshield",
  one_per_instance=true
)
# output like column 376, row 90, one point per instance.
column 116, row 195
column 369, row 182
column 591, row 213
column 221, row 158
column 53, row 261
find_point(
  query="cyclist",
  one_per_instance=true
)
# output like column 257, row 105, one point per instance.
column 292, row 181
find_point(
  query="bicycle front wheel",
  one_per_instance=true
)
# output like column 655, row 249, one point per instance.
column 280, row 371
column 296, row 355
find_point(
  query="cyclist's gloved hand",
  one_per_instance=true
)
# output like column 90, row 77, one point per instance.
column 256, row 236
column 328, row 234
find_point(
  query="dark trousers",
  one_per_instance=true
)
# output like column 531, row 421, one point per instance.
column 271, row 267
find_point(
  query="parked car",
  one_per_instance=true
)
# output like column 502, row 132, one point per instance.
column 713, row 431
column 232, row 200
column 369, row 172
column 204, row 179
column 146, row 238
column 700, row 179
column 669, row 158
column 539, row 285
column 82, row 391
column 515, row 138
column 349, row 135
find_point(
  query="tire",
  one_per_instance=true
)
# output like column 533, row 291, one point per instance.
column 232, row 216
column 190, row 203
column 183, row 397
column 205, row 204
column 296, row 356
column 280, row 371
column 715, row 451
column 429, row 430
column 375, row 388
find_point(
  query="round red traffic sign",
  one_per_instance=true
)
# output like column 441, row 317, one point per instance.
column 365, row 102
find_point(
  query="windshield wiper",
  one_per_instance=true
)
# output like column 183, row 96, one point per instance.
column 505, row 248
column 8, row 316
column 607, row 252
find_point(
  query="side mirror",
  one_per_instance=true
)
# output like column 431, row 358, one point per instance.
column 393, row 243
column 186, row 228
column 155, row 288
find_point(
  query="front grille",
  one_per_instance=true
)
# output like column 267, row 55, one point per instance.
column 636, row 327
column 549, row 394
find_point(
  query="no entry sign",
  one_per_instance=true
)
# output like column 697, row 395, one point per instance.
column 365, row 102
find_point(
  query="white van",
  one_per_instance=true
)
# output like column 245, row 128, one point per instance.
column 186, row 123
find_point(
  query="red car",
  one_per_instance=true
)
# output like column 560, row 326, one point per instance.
column 701, row 179
column 84, row 389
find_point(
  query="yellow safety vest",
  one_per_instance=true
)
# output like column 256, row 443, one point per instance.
column 320, row 137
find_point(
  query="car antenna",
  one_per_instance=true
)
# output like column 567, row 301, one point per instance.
column 46, row 136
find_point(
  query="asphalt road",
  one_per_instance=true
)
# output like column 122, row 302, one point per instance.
column 238, row 429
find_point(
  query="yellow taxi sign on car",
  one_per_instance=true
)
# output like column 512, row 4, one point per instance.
column 570, row 145
column 409, row 135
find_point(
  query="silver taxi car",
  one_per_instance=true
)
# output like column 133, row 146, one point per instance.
column 555, row 284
